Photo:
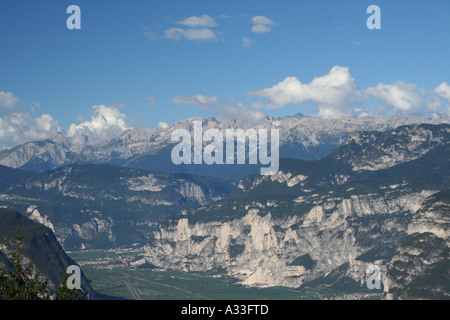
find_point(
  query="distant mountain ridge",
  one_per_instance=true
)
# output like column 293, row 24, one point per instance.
column 307, row 138
column 104, row 206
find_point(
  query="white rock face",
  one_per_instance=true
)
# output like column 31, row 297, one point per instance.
column 426, row 246
column 191, row 190
column 36, row 216
column 259, row 249
column 296, row 180
column 146, row 183
column 428, row 221
column 380, row 155
column 91, row 229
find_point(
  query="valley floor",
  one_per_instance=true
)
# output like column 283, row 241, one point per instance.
column 113, row 275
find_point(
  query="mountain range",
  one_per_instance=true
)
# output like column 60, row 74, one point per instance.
column 301, row 137
column 349, row 194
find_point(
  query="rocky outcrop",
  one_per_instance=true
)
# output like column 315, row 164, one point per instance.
column 263, row 250
column 382, row 150
column 35, row 215
column 420, row 269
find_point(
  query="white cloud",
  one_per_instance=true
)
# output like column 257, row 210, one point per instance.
column 8, row 101
column 407, row 98
column 443, row 91
column 260, row 28
column 17, row 128
column 261, row 24
column 262, row 20
column 203, row 34
column 203, row 21
column 399, row 96
column 163, row 125
column 334, row 93
column 106, row 123
column 247, row 43
column 198, row 29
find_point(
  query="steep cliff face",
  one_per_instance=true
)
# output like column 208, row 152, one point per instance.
column 263, row 250
column 312, row 220
column 40, row 248
column 420, row 269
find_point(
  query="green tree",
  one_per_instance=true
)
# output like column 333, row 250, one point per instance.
column 22, row 283
column 64, row 293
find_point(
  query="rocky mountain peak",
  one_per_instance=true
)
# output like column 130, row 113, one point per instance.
column 375, row 150
column 300, row 137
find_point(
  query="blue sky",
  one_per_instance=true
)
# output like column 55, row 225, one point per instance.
column 140, row 63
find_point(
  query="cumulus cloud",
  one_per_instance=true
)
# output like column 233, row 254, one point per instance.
column 443, row 91
column 17, row 128
column 163, row 125
column 8, row 101
column 203, row 34
column 334, row 94
column 106, row 123
column 261, row 24
column 407, row 98
column 194, row 21
column 400, row 97
column 260, row 28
